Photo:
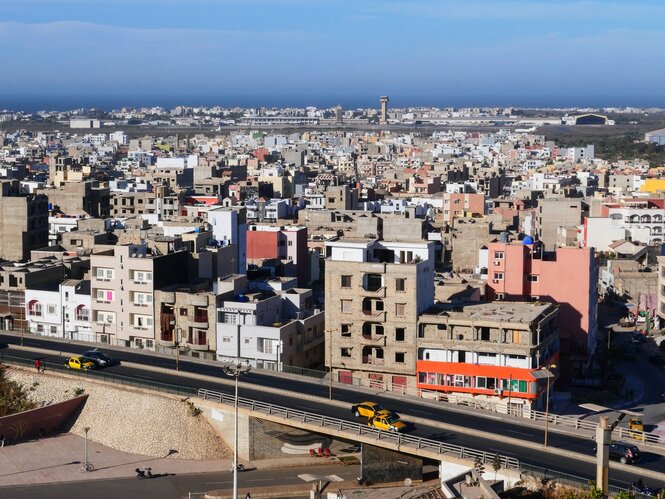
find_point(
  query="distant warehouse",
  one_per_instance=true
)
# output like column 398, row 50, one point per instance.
column 587, row 119
column 657, row 136
column 84, row 123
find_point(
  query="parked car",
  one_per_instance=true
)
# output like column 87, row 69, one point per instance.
column 100, row 358
column 624, row 453
column 370, row 409
column 80, row 362
column 387, row 422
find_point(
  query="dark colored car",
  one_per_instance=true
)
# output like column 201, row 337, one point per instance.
column 624, row 453
column 100, row 358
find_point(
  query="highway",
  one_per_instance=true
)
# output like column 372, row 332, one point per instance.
column 410, row 409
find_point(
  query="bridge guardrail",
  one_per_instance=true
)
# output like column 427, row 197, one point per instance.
column 360, row 429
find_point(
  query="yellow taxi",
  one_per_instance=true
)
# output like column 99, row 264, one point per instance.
column 79, row 362
column 636, row 428
column 369, row 410
column 387, row 422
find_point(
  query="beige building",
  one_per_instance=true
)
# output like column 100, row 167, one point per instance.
column 375, row 291
column 23, row 222
column 123, row 284
column 186, row 317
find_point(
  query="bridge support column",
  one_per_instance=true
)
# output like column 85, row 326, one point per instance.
column 378, row 465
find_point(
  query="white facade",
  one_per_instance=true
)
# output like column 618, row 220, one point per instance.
column 62, row 313
column 230, row 224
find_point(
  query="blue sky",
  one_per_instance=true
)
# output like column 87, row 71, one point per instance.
column 263, row 52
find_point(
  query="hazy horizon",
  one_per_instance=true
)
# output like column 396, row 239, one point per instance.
column 443, row 53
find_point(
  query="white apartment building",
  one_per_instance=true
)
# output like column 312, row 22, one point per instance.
column 61, row 312
column 269, row 323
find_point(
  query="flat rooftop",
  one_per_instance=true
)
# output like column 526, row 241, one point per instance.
column 520, row 312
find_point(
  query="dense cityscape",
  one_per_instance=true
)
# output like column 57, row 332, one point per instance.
column 385, row 249
column 476, row 263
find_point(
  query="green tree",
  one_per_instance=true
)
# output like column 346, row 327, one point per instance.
column 13, row 397
column 496, row 465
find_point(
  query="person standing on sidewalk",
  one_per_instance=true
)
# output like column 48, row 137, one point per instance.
column 38, row 365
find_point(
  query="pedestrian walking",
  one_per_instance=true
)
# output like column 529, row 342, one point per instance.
column 2, row 440
column 248, row 496
column 38, row 365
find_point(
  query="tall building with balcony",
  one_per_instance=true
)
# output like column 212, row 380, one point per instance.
column 230, row 224
column 522, row 271
column 270, row 323
column 375, row 291
column 186, row 318
column 488, row 351
column 124, row 280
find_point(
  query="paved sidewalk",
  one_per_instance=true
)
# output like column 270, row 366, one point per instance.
column 59, row 459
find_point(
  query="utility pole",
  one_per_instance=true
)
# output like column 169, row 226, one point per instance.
column 603, row 432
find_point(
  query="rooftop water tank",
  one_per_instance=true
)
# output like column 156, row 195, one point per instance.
column 527, row 240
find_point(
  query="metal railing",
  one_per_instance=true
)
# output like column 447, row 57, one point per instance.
column 357, row 429
column 104, row 376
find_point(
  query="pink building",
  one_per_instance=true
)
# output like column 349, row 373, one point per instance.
column 569, row 277
column 460, row 204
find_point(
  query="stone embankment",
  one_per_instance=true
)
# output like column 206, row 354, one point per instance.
column 127, row 420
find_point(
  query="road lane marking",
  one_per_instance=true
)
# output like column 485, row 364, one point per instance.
column 421, row 412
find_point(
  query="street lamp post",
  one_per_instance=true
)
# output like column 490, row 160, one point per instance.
column 85, row 450
column 545, row 372
column 236, row 370
column 176, row 342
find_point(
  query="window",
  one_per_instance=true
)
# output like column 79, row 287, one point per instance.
column 103, row 274
column 517, row 336
column 399, row 357
column 230, row 318
column 498, row 276
column 346, row 306
column 54, row 330
column 51, row 309
column 265, row 345
column 140, row 276
column 290, row 243
column 400, row 333
column 247, row 340
column 346, row 330
column 500, row 296
column 104, row 295
column 400, row 309
column 484, row 334
column 400, row 284
column 499, row 255
column 226, row 339
column 346, row 281
column 345, row 352
column 142, row 298
column 183, row 311
column 532, row 278
column 105, row 318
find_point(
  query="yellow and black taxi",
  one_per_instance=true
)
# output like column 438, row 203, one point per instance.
column 636, row 428
column 387, row 422
column 366, row 409
column 369, row 410
column 80, row 362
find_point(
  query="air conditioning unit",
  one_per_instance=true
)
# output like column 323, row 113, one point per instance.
column 497, row 391
column 497, row 262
